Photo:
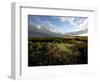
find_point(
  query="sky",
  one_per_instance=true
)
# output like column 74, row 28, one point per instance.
column 57, row 24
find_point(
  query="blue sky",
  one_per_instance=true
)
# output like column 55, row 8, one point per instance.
column 58, row 24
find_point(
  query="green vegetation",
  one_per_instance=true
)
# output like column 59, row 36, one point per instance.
column 43, row 51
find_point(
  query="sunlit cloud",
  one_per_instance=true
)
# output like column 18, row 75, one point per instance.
column 62, row 25
column 78, row 23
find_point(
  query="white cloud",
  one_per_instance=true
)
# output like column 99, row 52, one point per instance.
column 83, row 25
column 75, row 21
column 67, row 18
column 38, row 26
column 63, row 19
column 78, row 24
column 48, row 23
column 51, row 27
column 47, row 26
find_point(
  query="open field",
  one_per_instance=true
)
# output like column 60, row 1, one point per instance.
column 70, row 50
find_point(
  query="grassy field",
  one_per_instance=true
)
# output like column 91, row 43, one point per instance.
column 43, row 51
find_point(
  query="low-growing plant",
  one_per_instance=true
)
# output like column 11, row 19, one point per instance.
column 57, row 51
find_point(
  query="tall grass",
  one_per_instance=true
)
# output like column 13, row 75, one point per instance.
column 57, row 51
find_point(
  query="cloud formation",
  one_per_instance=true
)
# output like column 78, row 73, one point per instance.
column 78, row 23
column 69, row 25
